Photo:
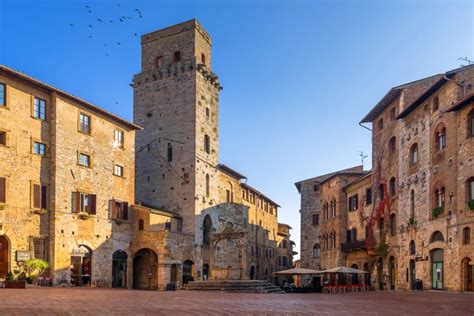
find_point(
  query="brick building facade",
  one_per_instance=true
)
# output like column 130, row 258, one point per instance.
column 421, row 187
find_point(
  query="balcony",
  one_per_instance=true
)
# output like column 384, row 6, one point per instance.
column 353, row 246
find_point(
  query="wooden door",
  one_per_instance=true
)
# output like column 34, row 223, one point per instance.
column 4, row 257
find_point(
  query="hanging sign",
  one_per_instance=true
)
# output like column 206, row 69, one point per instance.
column 22, row 255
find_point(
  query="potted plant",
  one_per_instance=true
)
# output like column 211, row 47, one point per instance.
column 15, row 280
column 34, row 268
column 411, row 221
column 437, row 211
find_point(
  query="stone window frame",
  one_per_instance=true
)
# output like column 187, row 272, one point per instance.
column 393, row 114
column 6, row 132
column 207, row 144
column 470, row 124
column 316, row 250
column 79, row 153
column 79, row 125
column 412, row 248
column 353, row 202
column 414, row 154
column 169, row 152
column 6, row 184
column 466, row 235
column 368, row 196
column 121, row 167
column 121, row 142
column 439, row 138
column 392, row 185
column 392, row 144
column 34, row 99
column 39, row 142
column 4, row 96
column 393, row 224
column 177, row 56
column 380, row 124
column 470, row 189
column 439, row 194
column 43, row 204
column 315, row 219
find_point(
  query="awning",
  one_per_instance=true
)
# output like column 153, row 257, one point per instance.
column 342, row 269
column 297, row 271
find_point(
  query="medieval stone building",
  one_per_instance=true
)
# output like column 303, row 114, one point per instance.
column 224, row 229
column 416, row 207
column 69, row 195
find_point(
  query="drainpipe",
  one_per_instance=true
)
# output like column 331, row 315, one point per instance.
column 463, row 86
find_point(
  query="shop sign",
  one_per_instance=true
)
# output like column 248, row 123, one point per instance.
column 22, row 255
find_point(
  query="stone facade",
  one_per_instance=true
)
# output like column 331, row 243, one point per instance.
column 176, row 101
column 57, row 208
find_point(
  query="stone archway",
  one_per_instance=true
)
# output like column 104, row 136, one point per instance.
column 252, row 273
column 467, row 275
column 119, row 269
column 4, row 256
column 81, row 262
column 188, row 271
column 145, row 265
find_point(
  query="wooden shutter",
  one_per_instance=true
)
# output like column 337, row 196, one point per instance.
column 44, row 197
column 125, row 210
column 76, row 202
column 112, row 209
column 92, row 204
column 36, row 196
column 3, row 190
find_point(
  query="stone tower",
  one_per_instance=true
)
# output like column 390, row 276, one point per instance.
column 176, row 99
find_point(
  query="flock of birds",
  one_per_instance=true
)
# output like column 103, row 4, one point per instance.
column 138, row 14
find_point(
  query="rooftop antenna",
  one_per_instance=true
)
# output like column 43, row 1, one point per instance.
column 467, row 60
column 362, row 157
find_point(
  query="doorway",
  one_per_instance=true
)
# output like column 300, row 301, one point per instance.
column 205, row 272
column 4, row 256
column 467, row 275
column 81, row 262
column 119, row 269
column 412, row 274
column 355, row 277
column 145, row 265
column 380, row 273
column 187, row 271
column 437, row 269
column 392, row 272
column 252, row 273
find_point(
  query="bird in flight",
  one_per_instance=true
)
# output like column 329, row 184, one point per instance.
column 99, row 20
column 90, row 25
column 71, row 24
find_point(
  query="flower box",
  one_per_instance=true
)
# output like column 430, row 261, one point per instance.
column 437, row 211
column 15, row 284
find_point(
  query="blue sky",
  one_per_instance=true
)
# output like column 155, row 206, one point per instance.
column 298, row 75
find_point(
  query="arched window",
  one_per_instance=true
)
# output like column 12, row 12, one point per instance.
column 316, row 251
column 141, row 224
column 207, row 185
column 333, row 208
column 470, row 124
column 439, row 194
column 470, row 190
column 380, row 124
column 333, row 239
column 325, row 242
column 393, row 186
column 170, row 152
column 436, row 236
column 440, row 138
column 412, row 204
column 414, row 154
column 412, row 248
column 392, row 144
column 466, row 236
column 207, row 144
column 393, row 224
column 381, row 192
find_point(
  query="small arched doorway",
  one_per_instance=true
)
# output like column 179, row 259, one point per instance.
column 380, row 273
column 437, row 269
column 467, row 275
column 119, row 269
column 145, row 263
column 4, row 256
column 188, row 271
column 205, row 271
column 392, row 272
column 355, row 277
column 252, row 273
column 81, row 262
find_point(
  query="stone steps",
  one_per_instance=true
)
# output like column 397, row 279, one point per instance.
column 234, row 286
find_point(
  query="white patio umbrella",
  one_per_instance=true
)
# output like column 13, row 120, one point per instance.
column 297, row 271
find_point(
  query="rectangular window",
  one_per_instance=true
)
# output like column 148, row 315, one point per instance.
column 39, row 109
column 3, row 95
column 168, row 225
column 368, row 196
column 3, row 138
column 353, row 202
column 118, row 137
column 39, row 148
column 84, row 123
column 3, row 190
column 315, row 219
column 118, row 170
column 84, row 160
column 39, row 248
column 118, row 210
column 83, row 203
column 316, row 187
column 40, row 196
column 177, row 56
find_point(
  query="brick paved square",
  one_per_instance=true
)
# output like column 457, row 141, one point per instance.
column 86, row 301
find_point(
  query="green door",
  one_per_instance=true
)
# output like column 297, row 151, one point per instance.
column 437, row 275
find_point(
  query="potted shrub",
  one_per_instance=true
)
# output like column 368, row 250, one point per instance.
column 34, row 268
column 15, row 280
